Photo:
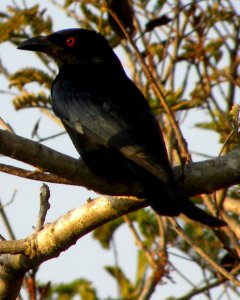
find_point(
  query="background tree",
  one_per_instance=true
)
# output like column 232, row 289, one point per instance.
column 184, row 56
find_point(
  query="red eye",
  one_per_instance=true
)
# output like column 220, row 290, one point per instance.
column 70, row 41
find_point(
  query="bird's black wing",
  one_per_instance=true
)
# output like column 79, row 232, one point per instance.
column 96, row 118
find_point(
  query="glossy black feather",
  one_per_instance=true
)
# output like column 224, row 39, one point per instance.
column 110, row 121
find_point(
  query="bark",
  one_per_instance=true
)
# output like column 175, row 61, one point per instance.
column 52, row 166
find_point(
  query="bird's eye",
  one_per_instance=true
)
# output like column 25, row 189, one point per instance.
column 70, row 41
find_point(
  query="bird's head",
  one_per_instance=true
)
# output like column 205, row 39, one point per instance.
column 72, row 46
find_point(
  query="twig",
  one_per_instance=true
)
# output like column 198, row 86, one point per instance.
column 116, row 265
column 162, row 224
column 5, row 125
column 182, row 275
column 4, row 70
column 10, row 201
column 197, row 291
column 40, row 176
column 148, row 288
column 51, row 137
column 140, row 244
column 207, row 201
column 44, row 206
column 5, row 218
column 202, row 254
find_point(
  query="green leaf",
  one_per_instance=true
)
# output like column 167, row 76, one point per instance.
column 125, row 285
column 142, row 266
column 81, row 287
column 146, row 220
column 105, row 232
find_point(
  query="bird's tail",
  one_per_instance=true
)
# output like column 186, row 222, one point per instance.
column 195, row 213
column 169, row 200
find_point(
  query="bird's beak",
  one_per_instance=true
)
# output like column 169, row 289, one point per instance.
column 39, row 43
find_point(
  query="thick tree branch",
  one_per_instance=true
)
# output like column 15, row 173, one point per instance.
column 55, row 238
column 201, row 177
column 48, row 160
column 58, row 236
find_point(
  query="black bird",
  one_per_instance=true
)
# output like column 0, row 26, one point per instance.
column 109, row 120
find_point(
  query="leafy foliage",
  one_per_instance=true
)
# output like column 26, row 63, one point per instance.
column 15, row 20
column 27, row 100
column 80, row 287
column 104, row 234
column 27, row 75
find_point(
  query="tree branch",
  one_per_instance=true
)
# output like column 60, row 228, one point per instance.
column 57, row 237
column 48, row 160
column 38, row 175
column 201, row 177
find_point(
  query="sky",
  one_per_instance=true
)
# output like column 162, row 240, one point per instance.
column 86, row 258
